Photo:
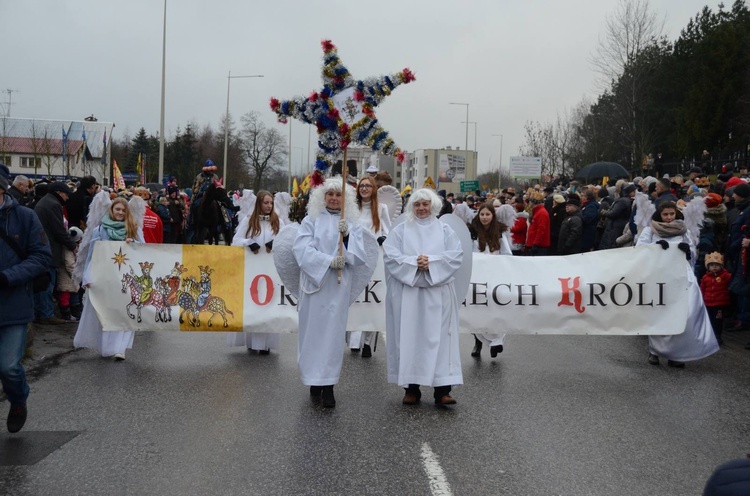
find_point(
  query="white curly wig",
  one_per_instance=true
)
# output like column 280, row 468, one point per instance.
column 436, row 203
column 317, row 201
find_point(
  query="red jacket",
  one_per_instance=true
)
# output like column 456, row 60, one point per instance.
column 715, row 289
column 153, row 229
column 538, row 234
column 519, row 229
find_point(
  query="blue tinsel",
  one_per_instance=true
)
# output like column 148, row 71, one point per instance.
column 388, row 82
column 325, row 148
column 326, row 92
column 285, row 108
column 321, row 164
column 341, row 71
column 380, row 137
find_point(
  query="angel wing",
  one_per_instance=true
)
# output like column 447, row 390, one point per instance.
column 644, row 210
column 283, row 258
column 390, row 197
column 137, row 206
column 281, row 202
column 246, row 203
column 99, row 207
column 694, row 213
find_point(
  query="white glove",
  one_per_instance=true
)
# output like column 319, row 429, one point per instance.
column 338, row 262
column 343, row 227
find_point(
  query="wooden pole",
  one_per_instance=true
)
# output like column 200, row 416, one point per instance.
column 344, row 174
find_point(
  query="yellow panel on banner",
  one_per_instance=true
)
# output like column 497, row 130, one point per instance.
column 214, row 299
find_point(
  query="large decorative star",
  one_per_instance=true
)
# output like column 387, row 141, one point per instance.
column 343, row 111
column 120, row 259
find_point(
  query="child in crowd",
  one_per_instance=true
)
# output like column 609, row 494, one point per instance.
column 715, row 289
column 64, row 286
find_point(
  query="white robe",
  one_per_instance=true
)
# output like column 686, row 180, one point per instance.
column 323, row 303
column 89, row 333
column 698, row 340
column 254, row 340
column 505, row 249
column 422, row 306
column 357, row 339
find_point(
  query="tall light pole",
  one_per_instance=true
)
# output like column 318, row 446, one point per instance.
column 226, row 123
column 301, row 155
column 163, row 77
column 475, row 132
column 500, row 167
column 466, row 145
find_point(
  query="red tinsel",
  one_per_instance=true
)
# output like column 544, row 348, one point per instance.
column 313, row 96
column 327, row 46
column 333, row 113
column 359, row 96
column 408, row 75
column 345, row 143
column 368, row 111
column 320, row 127
column 344, row 129
column 275, row 104
column 316, row 179
column 401, row 157
column 338, row 80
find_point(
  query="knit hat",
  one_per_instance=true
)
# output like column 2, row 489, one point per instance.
column 574, row 200
column 4, row 177
column 714, row 257
column 734, row 181
column 742, row 190
column 209, row 166
column 558, row 198
column 713, row 200
column 628, row 189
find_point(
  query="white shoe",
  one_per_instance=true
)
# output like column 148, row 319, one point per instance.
column 119, row 357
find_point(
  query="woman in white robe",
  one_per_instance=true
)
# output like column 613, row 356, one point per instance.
column 323, row 301
column 257, row 232
column 491, row 236
column 421, row 256
column 374, row 216
column 697, row 341
column 117, row 225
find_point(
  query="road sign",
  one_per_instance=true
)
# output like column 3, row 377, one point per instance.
column 467, row 186
column 525, row 167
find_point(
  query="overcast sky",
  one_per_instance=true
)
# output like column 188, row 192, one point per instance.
column 512, row 61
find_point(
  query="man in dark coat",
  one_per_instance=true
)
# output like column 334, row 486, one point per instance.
column 556, row 218
column 19, row 190
column 590, row 217
column 17, row 270
column 50, row 213
column 447, row 207
column 617, row 217
column 571, row 229
column 738, row 233
column 79, row 202
column 664, row 192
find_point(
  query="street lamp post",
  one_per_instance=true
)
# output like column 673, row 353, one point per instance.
column 301, row 155
column 500, row 167
column 466, row 144
column 226, row 123
column 475, row 133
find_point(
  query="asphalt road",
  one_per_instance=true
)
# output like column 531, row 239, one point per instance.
column 552, row 415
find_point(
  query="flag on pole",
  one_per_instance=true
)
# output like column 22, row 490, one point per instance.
column 104, row 148
column 295, row 187
column 118, row 182
column 82, row 151
column 139, row 168
column 305, row 186
column 64, row 145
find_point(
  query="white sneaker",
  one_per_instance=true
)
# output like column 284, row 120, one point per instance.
column 119, row 357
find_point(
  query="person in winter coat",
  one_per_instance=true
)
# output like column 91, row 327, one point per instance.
column 176, row 214
column 537, row 238
column 617, row 217
column 64, row 286
column 738, row 234
column 519, row 229
column 715, row 290
column 717, row 212
column 590, row 217
column 556, row 218
column 78, row 204
column 162, row 210
column 571, row 230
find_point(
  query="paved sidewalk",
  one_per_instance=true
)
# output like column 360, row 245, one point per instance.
column 46, row 345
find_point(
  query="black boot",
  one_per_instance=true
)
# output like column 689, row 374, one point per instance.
column 76, row 311
column 477, row 351
column 494, row 350
column 315, row 392
column 326, row 398
column 66, row 315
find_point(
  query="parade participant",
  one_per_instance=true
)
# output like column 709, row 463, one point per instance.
column 206, row 178
column 24, row 255
column 257, row 232
column 715, row 291
column 374, row 217
column 324, row 302
column 667, row 227
column 153, row 228
column 118, row 224
column 421, row 256
column 64, row 286
column 491, row 236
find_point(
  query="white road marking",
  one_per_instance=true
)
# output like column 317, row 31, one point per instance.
column 438, row 482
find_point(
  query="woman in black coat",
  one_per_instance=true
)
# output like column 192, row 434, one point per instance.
column 617, row 217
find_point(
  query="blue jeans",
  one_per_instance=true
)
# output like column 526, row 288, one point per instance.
column 12, row 374
column 44, row 303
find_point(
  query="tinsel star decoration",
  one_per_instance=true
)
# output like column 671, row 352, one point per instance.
column 343, row 111
column 120, row 259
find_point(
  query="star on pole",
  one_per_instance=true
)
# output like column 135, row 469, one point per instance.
column 120, row 259
column 343, row 111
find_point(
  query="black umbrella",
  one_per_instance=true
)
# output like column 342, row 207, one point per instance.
column 602, row 169
column 155, row 187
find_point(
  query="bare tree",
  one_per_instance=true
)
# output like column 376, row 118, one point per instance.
column 47, row 151
column 264, row 149
column 630, row 33
column 36, row 145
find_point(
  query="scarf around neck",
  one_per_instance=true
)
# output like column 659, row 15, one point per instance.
column 115, row 228
column 669, row 229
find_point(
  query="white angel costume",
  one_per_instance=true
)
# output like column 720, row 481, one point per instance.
column 422, row 306
column 357, row 339
column 260, row 341
column 323, row 302
column 505, row 249
column 698, row 339
column 90, row 333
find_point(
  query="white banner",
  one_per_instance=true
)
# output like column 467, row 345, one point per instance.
column 525, row 167
column 628, row 291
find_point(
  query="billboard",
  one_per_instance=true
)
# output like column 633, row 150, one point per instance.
column 452, row 167
column 525, row 167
